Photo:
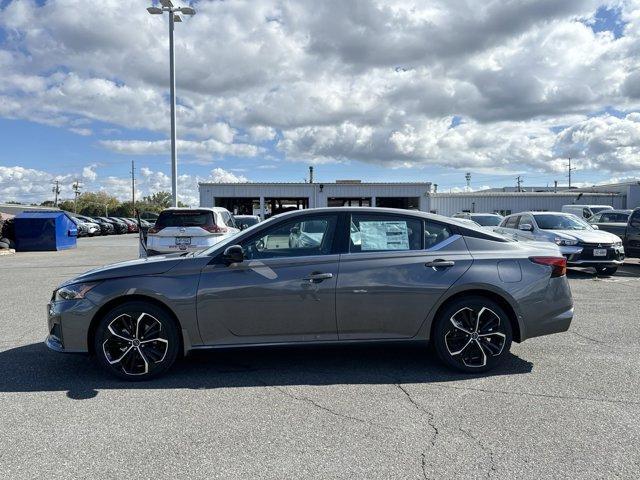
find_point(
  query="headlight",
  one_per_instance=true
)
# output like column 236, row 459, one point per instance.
column 565, row 243
column 617, row 243
column 75, row 291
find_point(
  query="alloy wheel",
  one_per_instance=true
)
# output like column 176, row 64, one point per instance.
column 474, row 336
column 135, row 345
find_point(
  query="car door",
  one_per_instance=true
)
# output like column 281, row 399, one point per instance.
column 526, row 235
column 279, row 293
column 509, row 226
column 396, row 269
column 632, row 235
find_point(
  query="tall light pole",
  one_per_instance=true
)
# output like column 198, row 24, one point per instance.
column 167, row 6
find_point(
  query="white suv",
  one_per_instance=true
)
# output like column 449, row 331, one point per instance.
column 189, row 229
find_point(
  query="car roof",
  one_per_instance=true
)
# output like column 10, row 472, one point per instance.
column 187, row 209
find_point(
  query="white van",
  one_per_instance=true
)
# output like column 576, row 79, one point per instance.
column 585, row 211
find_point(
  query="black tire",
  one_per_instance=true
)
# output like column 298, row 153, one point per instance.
column 606, row 270
column 459, row 348
column 132, row 357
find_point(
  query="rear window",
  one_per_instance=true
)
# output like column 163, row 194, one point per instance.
column 181, row 218
column 487, row 220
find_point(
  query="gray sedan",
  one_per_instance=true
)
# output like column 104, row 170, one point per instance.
column 370, row 275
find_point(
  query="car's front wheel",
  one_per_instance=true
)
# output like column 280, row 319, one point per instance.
column 606, row 270
column 136, row 341
column 472, row 334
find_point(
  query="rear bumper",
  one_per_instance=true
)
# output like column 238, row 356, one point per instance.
column 554, row 324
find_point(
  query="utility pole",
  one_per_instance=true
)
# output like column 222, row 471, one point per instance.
column 519, row 183
column 133, row 185
column 76, row 190
column 570, row 170
column 467, row 177
column 173, row 11
column 56, row 191
column 555, row 186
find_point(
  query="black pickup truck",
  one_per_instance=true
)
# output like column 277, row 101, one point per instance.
column 629, row 232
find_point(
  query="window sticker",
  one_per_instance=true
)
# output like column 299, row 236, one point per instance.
column 389, row 235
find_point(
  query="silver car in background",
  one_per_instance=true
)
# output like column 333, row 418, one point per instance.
column 579, row 242
column 320, row 276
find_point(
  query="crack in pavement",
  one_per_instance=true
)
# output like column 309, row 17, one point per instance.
column 310, row 401
column 539, row 395
column 489, row 452
column 599, row 342
column 430, row 421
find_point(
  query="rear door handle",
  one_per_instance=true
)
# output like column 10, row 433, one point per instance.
column 317, row 277
column 440, row 263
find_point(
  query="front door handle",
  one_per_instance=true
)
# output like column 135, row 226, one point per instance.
column 440, row 263
column 317, row 277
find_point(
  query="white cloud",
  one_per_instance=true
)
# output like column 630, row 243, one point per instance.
column 334, row 81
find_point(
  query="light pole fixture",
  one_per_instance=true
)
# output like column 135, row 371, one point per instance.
column 173, row 11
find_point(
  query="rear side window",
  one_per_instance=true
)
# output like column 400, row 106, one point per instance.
column 380, row 233
column 435, row 233
column 181, row 218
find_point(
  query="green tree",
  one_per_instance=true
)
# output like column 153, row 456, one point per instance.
column 161, row 199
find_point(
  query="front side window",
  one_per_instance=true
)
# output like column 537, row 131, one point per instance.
column 511, row 222
column 293, row 238
column 598, row 217
column 635, row 219
column 376, row 233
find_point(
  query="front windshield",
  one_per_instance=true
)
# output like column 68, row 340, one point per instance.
column 560, row 222
column 487, row 220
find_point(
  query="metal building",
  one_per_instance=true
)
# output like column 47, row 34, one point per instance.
column 267, row 199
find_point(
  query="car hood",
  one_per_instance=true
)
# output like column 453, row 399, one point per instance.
column 587, row 236
column 155, row 265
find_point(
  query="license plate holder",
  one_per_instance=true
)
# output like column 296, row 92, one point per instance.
column 599, row 252
column 183, row 240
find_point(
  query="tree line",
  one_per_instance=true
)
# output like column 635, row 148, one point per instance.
column 101, row 204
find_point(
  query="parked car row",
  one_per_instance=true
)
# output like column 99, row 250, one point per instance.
column 92, row 226
column 594, row 236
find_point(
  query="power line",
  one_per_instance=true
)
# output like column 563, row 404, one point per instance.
column 570, row 170
column 133, row 185
column 76, row 190
column 519, row 183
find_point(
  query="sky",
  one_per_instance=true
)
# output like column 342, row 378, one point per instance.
column 423, row 90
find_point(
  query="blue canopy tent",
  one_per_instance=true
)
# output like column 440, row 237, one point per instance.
column 44, row 230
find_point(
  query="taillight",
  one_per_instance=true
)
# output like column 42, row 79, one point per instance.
column 558, row 264
column 153, row 230
column 215, row 229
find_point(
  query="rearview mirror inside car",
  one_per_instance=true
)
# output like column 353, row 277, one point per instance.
column 233, row 254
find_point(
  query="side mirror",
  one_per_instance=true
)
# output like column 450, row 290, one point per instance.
column 233, row 254
column 595, row 227
column 527, row 227
column 295, row 230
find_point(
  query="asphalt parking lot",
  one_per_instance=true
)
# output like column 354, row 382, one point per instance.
column 563, row 406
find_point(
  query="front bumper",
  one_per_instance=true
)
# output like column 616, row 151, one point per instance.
column 68, row 324
column 583, row 256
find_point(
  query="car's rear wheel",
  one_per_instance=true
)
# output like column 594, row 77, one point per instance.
column 472, row 334
column 606, row 270
column 136, row 341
